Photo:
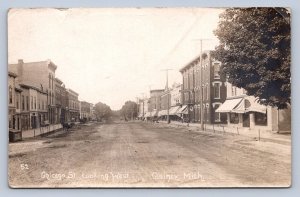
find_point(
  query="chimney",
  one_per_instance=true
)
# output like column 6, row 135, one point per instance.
column 20, row 69
column 20, row 61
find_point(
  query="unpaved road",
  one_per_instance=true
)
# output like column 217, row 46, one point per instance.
column 136, row 154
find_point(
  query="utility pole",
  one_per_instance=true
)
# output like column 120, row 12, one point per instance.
column 143, row 100
column 168, row 92
column 201, row 85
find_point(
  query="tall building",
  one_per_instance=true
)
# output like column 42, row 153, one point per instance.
column 202, row 75
column 40, row 75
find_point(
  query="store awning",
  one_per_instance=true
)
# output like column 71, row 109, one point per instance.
column 153, row 113
column 174, row 110
column 229, row 105
column 183, row 110
column 162, row 113
column 256, row 107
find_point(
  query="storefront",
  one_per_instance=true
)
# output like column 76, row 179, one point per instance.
column 246, row 112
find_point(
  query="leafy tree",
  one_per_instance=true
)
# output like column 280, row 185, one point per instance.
column 102, row 111
column 129, row 110
column 255, row 52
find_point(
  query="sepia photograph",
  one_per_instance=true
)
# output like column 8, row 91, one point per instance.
column 183, row 97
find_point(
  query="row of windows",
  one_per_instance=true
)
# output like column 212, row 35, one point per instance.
column 34, row 103
column 205, row 90
column 190, row 78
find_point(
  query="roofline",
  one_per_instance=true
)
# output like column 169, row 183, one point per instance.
column 157, row 90
column 189, row 64
column 72, row 91
column 32, row 87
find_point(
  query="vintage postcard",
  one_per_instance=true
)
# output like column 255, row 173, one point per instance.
column 149, row 97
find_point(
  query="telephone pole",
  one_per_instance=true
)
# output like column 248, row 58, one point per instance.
column 201, row 85
column 168, row 92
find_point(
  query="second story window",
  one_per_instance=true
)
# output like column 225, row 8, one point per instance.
column 31, row 98
column 27, row 102
column 23, row 102
column 17, row 101
column 10, row 95
column 34, row 102
column 217, row 70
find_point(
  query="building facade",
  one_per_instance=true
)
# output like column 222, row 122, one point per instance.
column 40, row 75
column 201, row 75
column 33, row 107
column 154, row 103
column 85, row 110
column 12, row 101
column 244, row 111
column 73, row 106
column 171, row 103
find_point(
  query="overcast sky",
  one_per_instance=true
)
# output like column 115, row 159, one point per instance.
column 112, row 55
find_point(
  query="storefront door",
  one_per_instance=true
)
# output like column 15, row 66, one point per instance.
column 246, row 120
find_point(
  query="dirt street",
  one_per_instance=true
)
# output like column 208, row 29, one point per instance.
column 136, row 154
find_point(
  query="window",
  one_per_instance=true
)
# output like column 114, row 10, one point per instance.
column 207, row 92
column 217, row 70
column 27, row 102
column 34, row 102
column 17, row 101
column 233, row 91
column 261, row 119
column 10, row 95
column 204, row 92
column 217, row 90
column 234, row 118
column 217, row 115
column 23, row 102
column 49, row 81
column 31, row 102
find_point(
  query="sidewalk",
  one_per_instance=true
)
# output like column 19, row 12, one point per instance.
column 40, row 131
column 262, row 135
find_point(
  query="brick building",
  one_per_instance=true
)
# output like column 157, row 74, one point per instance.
column 203, row 75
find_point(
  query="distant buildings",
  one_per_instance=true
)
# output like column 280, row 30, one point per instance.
column 86, row 110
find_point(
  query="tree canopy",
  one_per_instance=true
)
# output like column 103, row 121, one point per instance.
column 102, row 111
column 255, row 52
column 129, row 110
